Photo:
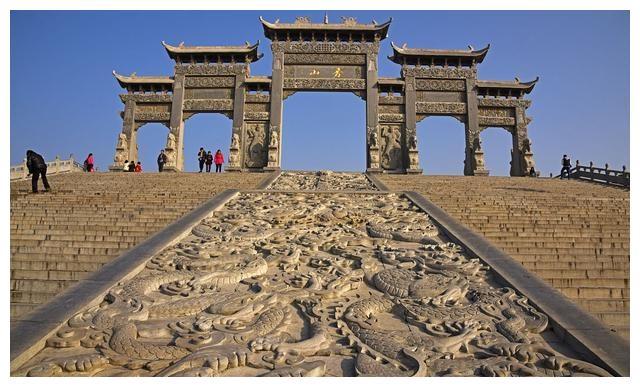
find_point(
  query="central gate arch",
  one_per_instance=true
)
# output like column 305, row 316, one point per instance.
column 325, row 56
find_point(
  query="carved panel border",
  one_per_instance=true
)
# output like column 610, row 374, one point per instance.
column 207, row 82
column 500, row 102
column 326, row 47
column 439, row 72
column 256, row 116
column 440, row 84
column 210, row 69
column 141, row 98
column 441, row 107
column 496, row 121
column 328, row 59
column 390, row 117
column 152, row 116
column 208, row 104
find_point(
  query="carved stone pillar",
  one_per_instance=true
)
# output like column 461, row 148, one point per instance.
column 237, row 132
column 372, row 150
column 274, row 155
column 410, row 139
column 126, row 147
column 475, row 153
column 521, row 155
column 474, row 156
column 176, row 124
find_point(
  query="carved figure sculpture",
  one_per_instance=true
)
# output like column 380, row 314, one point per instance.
column 235, row 141
column 255, row 147
column 171, row 141
column 391, row 148
column 273, row 142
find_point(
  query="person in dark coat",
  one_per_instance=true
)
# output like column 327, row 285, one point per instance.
column 132, row 166
column 162, row 160
column 37, row 167
column 202, row 157
column 209, row 161
column 566, row 166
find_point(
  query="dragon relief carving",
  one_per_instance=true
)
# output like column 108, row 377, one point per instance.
column 295, row 283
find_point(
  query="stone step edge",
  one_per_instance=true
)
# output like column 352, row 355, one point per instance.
column 572, row 324
column 30, row 332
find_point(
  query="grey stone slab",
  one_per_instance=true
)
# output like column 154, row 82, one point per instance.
column 381, row 186
column 268, row 180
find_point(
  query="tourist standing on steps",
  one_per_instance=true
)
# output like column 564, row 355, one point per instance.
column 209, row 161
column 162, row 160
column 566, row 166
column 218, row 159
column 132, row 166
column 37, row 167
column 88, row 163
column 138, row 167
column 125, row 167
column 202, row 156
column 532, row 172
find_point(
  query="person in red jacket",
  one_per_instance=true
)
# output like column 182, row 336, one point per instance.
column 88, row 163
column 138, row 167
column 218, row 159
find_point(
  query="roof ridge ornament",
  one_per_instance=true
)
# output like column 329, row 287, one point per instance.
column 349, row 20
column 302, row 20
column 326, row 18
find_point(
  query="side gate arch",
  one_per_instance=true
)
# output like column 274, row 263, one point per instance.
column 310, row 56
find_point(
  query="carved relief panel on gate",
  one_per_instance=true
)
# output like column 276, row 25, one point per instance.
column 391, row 154
column 256, row 144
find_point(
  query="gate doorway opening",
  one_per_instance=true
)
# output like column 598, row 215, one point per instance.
column 212, row 131
column 324, row 130
column 496, row 144
column 441, row 145
column 151, row 139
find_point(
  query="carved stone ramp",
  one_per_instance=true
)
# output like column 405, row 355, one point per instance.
column 322, row 282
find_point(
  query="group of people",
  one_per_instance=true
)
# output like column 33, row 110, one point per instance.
column 205, row 158
column 132, row 166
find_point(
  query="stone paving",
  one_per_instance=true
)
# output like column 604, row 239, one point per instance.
column 303, row 283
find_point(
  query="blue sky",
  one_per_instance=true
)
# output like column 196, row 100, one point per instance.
column 64, row 99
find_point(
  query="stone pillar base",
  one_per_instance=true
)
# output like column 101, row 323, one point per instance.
column 271, row 169
column 375, row 170
column 233, row 169
column 116, row 168
column 413, row 171
column 481, row 172
column 170, row 169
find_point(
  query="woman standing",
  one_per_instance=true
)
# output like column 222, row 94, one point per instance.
column 218, row 159
column 88, row 163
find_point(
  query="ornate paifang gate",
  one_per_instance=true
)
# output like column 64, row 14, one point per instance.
column 326, row 57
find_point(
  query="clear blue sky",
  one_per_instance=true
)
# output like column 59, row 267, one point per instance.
column 65, row 100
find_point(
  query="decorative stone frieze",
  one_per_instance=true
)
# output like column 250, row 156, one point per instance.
column 141, row 98
column 204, row 82
column 389, row 117
column 440, row 84
column 211, row 69
column 208, row 104
column 439, row 72
column 441, row 107
column 152, row 116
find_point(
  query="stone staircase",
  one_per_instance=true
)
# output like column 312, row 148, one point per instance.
column 575, row 235
column 60, row 237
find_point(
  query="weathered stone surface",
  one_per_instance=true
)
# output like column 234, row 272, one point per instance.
column 89, row 219
column 323, row 180
column 572, row 234
column 317, row 284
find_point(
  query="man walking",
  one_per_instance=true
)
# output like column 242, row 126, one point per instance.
column 162, row 160
column 566, row 166
column 202, row 156
column 37, row 167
